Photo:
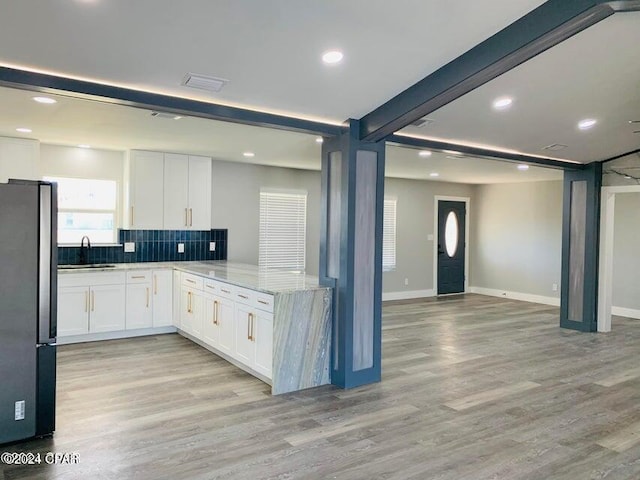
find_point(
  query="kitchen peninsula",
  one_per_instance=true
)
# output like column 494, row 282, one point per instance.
column 275, row 325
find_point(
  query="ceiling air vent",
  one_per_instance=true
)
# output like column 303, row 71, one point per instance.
column 554, row 147
column 202, row 82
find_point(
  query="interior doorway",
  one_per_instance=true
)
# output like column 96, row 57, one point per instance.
column 451, row 252
column 607, row 228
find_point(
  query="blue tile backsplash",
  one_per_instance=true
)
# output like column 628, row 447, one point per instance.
column 153, row 246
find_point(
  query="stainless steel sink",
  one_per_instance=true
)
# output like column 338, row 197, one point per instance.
column 80, row 267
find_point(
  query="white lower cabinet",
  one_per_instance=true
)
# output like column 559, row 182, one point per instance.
column 107, row 308
column 225, row 319
column 73, row 311
column 191, row 311
column 139, row 309
column 263, row 338
column 162, row 285
column 245, row 348
column 91, row 303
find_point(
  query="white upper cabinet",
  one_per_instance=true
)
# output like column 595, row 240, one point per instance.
column 199, row 193
column 169, row 191
column 19, row 158
column 187, row 187
column 146, row 195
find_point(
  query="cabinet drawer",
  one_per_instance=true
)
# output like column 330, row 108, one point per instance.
column 227, row 291
column 94, row 278
column 264, row 301
column 192, row 281
column 248, row 297
column 211, row 286
column 139, row 276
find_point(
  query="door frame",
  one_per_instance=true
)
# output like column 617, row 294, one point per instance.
column 467, row 202
column 605, row 274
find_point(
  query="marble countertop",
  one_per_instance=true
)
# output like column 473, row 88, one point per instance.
column 240, row 274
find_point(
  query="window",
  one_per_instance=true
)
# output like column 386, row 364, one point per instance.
column 389, row 235
column 283, row 223
column 86, row 207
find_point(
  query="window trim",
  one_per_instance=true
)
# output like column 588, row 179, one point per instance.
column 117, row 216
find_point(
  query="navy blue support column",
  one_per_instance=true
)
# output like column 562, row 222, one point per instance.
column 580, row 242
column 351, row 253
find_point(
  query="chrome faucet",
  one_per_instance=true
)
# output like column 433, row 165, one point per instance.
column 84, row 250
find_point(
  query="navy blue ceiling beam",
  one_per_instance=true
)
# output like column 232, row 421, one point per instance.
column 546, row 26
column 44, row 83
column 482, row 152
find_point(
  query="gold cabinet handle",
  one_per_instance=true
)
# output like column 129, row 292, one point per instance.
column 249, row 326
column 132, row 215
column 217, row 305
column 225, row 291
column 215, row 312
column 190, row 281
column 86, row 301
column 155, row 284
column 147, row 297
column 93, row 301
column 243, row 296
column 186, row 217
column 189, row 309
column 137, row 277
column 263, row 302
column 191, row 217
column 253, row 337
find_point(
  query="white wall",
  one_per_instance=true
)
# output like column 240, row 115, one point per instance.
column 516, row 239
column 75, row 162
column 236, row 206
column 626, row 257
column 414, row 223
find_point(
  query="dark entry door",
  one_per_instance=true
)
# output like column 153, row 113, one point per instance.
column 451, row 246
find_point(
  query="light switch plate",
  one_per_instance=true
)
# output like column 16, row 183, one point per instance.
column 181, row 248
column 129, row 247
column 212, row 246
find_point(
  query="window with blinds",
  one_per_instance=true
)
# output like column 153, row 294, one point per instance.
column 283, row 225
column 389, row 235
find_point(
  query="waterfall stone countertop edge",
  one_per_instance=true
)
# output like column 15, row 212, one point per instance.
column 239, row 274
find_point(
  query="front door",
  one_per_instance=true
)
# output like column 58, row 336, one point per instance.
column 451, row 246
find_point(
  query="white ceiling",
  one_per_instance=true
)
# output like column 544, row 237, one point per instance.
column 72, row 121
column 268, row 50
column 595, row 74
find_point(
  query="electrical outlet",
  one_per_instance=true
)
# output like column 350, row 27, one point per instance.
column 406, row 281
column 19, row 411
column 129, row 247
column 212, row 246
column 554, row 287
column 181, row 248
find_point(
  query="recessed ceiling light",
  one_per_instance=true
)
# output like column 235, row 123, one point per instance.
column 424, row 153
column 177, row 117
column 332, row 57
column 23, row 130
column 249, row 154
column 204, row 82
column 554, row 147
column 523, row 168
column 452, row 152
column 502, row 103
column 84, row 145
column 46, row 100
column 434, row 174
column 319, row 139
column 587, row 123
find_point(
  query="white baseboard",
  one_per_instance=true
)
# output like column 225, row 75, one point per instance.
column 625, row 312
column 525, row 297
column 409, row 295
column 96, row 337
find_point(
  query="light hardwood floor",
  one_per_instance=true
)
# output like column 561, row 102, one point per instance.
column 473, row 388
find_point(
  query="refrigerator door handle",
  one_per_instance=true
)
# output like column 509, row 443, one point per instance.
column 48, row 262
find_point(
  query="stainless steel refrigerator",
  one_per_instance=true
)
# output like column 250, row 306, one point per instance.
column 28, row 304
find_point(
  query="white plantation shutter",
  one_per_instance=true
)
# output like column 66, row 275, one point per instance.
column 283, row 223
column 389, row 235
